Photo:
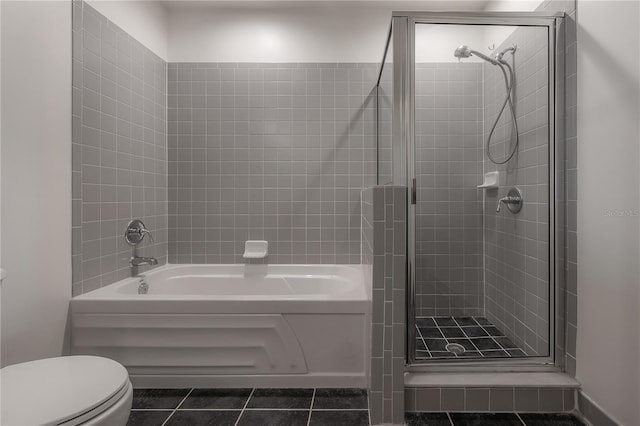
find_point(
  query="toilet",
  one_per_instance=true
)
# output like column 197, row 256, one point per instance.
column 68, row 391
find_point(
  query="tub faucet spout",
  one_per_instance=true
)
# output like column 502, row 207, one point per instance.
column 139, row 261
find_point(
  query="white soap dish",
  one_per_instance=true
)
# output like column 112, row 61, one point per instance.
column 255, row 249
column 490, row 181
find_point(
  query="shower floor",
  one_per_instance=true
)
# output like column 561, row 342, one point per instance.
column 477, row 335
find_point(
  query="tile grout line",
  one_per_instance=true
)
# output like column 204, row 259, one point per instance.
column 440, row 330
column 520, row 418
column 501, row 348
column 313, row 400
column 176, row 409
column 423, row 341
column 243, row 408
column 325, row 409
column 257, row 409
column 449, row 417
column 152, row 409
column 471, row 340
column 497, row 343
column 369, row 410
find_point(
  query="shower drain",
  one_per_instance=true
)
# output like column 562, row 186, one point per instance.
column 455, row 348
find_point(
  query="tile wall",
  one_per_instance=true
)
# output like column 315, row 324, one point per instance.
column 449, row 264
column 278, row 152
column 384, row 250
column 120, row 156
column 516, row 251
column 119, row 149
column 490, row 399
column 385, row 119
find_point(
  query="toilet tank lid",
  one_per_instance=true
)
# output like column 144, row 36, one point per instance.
column 54, row 390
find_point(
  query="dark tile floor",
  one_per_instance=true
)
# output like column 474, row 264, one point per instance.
column 293, row 407
column 491, row 419
column 249, row 407
column 477, row 335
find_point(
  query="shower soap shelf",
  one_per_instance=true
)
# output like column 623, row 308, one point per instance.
column 490, row 181
column 255, row 249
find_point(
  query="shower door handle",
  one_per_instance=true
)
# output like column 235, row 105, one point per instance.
column 413, row 191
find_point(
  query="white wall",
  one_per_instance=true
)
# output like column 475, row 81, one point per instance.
column 513, row 5
column 608, row 351
column 497, row 34
column 436, row 43
column 36, row 177
column 146, row 21
column 2, row 274
column 287, row 31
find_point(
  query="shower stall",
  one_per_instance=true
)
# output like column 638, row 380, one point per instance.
column 470, row 120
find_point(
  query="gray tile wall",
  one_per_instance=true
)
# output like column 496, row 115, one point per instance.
column 119, row 148
column 366, row 238
column 385, row 118
column 384, row 248
column 571, row 192
column 517, row 246
column 278, row 152
column 490, row 399
column 449, row 268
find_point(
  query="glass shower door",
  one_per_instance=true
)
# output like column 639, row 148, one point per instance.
column 481, row 108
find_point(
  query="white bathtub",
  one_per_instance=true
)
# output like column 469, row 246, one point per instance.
column 231, row 325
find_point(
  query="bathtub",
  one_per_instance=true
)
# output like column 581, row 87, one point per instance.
column 231, row 326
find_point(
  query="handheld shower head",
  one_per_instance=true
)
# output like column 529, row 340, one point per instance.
column 464, row 51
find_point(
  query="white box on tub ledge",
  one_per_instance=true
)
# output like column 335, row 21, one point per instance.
column 231, row 325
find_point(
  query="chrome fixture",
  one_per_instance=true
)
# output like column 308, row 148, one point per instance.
column 511, row 49
column 135, row 232
column 464, row 51
column 455, row 348
column 143, row 287
column 513, row 200
column 136, row 261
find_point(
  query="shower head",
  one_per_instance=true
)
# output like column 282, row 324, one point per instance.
column 464, row 51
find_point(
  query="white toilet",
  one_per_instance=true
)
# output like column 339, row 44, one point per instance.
column 69, row 391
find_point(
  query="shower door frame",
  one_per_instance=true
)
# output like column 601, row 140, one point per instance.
column 403, row 34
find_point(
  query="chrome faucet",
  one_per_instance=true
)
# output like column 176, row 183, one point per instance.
column 135, row 261
column 134, row 234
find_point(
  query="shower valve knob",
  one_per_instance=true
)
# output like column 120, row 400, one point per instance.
column 513, row 200
column 135, row 232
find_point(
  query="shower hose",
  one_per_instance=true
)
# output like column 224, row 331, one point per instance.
column 508, row 81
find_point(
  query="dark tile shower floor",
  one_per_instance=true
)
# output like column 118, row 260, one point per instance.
column 477, row 335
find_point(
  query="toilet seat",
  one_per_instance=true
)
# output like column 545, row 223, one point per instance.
column 61, row 391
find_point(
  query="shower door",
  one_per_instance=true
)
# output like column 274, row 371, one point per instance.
column 479, row 101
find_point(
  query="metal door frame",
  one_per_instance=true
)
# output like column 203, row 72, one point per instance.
column 403, row 36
